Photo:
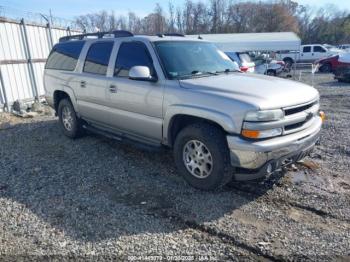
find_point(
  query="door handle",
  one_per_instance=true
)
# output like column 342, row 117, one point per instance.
column 112, row 89
column 82, row 84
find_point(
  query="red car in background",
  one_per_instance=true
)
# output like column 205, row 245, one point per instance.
column 339, row 65
column 332, row 63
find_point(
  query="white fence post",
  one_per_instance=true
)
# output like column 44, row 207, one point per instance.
column 29, row 59
column 3, row 90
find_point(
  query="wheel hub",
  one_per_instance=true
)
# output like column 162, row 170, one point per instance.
column 67, row 118
column 197, row 159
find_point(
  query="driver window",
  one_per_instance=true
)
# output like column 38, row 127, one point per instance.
column 132, row 54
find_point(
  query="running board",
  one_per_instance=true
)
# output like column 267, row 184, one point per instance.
column 142, row 144
column 101, row 132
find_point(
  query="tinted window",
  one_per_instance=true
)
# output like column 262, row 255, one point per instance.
column 97, row 58
column 319, row 49
column 64, row 56
column 132, row 54
column 307, row 49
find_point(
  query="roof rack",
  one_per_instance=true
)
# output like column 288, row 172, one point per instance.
column 171, row 34
column 117, row 33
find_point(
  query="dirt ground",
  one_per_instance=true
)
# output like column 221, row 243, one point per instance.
column 96, row 199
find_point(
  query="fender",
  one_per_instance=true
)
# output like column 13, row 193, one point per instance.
column 220, row 118
column 67, row 89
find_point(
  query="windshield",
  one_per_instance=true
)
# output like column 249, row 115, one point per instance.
column 186, row 59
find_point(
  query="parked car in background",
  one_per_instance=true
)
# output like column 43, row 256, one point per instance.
column 345, row 47
column 332, row 63
column 342, row 69
column 307, row 54
column 243, row 60
column 266, row 65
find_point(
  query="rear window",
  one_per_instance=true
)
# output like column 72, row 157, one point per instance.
column 64, row 56
column 98, row 57
column 307, row 49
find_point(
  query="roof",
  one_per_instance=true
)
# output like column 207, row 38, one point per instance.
column 243, row 42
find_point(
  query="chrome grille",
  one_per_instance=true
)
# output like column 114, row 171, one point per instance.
column 299, row 117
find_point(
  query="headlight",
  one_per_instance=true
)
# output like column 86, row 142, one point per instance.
column 256, row 134
column 266, row 115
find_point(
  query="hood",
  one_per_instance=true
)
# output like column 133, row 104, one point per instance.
column 261, row 91
column 326, row 59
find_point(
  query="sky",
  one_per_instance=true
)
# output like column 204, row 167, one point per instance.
column 71, row 8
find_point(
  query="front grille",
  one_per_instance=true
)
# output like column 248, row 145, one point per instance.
column 294, row 126
column 301, row 116
column 294, row 110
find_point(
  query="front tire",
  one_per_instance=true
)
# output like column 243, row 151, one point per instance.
column 271, row 73
column 69, row 122
column 202, row 156
column 326, row 68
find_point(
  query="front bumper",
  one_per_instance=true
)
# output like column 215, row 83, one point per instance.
column 255, row 156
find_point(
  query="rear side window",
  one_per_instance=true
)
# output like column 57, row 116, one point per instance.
column 132, row 54
column 307, row 49
column 97, row 58
column 64, row 56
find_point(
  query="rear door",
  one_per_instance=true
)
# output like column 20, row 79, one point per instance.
column 92, row 82
column 135, row 107
column 306, row 54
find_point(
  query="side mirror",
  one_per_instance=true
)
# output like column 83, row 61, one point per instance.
column 141, row 73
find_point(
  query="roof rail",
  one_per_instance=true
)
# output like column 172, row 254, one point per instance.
column 171, row 34
column 117, row 33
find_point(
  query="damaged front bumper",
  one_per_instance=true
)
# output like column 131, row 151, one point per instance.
column 254, row 159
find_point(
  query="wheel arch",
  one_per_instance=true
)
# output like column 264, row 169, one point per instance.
column 179, row 117
column 59, row 94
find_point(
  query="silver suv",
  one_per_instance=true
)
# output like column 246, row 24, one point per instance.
column 184, row 94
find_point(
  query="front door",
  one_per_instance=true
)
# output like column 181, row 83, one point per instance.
column 319, row 52
column 135, row 106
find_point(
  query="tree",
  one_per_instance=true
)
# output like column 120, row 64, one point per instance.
column 327, row 25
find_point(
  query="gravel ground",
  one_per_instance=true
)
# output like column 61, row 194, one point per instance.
column 96, row 198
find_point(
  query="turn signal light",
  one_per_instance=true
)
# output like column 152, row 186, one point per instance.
column 250, row 133
column 323, row 116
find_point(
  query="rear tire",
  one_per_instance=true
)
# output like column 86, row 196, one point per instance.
column 69, row 122
column 202, row 156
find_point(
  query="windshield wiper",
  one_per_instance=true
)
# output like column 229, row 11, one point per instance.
column 228, row 71
column 196, row 72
